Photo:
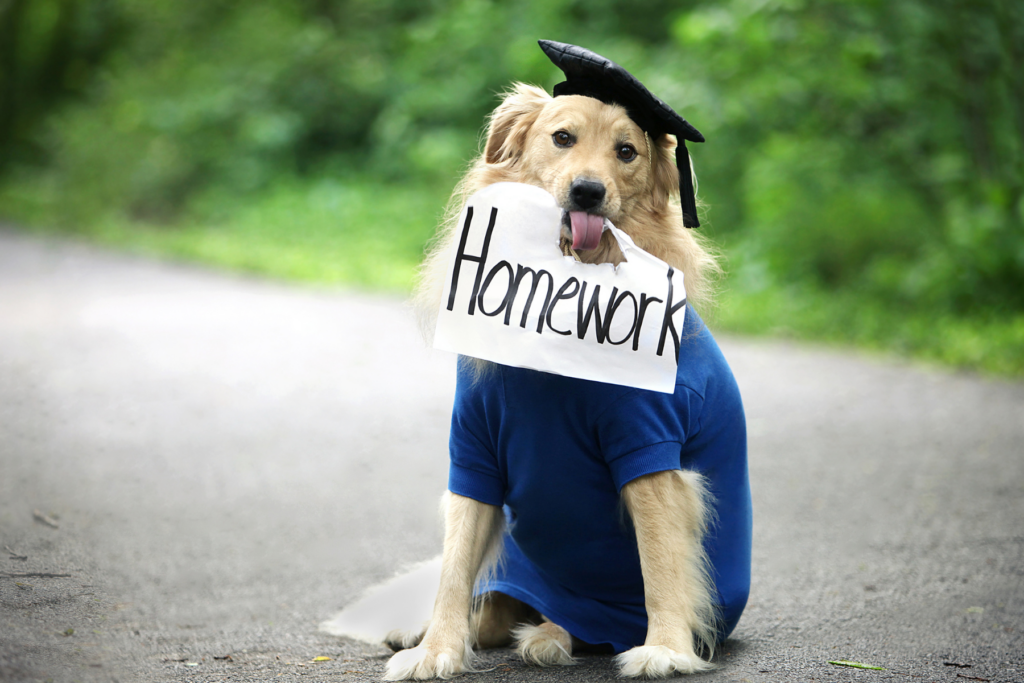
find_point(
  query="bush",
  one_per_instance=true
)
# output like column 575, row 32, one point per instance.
column 859, row 151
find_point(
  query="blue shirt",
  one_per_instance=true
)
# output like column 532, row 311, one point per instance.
column 555, row 452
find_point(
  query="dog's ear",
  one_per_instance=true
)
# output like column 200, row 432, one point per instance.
column 665, row 175
column 511, row 121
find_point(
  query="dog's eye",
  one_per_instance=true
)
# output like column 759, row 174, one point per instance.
column 627, row 152
column 563, row 139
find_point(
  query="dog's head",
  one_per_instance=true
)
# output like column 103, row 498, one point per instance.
column 592, row 158
column 597, row 163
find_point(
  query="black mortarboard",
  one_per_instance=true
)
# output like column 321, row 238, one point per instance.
column 591, row 75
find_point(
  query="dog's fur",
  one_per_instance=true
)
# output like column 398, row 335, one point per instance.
column 668, row 509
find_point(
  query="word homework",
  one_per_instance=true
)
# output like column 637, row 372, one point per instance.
column 512, row 297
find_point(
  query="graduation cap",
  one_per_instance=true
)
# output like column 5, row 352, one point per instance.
column 591, row 75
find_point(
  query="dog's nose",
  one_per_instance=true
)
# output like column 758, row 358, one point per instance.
column 586, row 194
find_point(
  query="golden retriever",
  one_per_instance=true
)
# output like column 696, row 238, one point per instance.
column 598, row 163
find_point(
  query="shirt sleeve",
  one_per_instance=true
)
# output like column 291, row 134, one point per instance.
column 474, row 471
column 644, row 432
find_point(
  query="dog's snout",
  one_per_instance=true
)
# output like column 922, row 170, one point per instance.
column 586, row 194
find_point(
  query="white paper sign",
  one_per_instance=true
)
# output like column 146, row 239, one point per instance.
column 512, row 297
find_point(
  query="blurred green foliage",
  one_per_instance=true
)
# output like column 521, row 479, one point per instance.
column 864, row 168
column 877, row 145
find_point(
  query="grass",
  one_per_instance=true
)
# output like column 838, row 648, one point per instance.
column 356, row 234
column 370, row 235
column 992, row 345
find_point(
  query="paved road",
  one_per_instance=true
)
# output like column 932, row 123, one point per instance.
column 231, row 461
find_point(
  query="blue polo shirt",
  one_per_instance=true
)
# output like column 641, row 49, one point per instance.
column 555, row 452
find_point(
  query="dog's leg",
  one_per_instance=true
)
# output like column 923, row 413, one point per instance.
column 669, row 514
column 471, row 530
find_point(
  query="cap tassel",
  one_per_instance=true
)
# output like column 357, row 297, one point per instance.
column 687, row 196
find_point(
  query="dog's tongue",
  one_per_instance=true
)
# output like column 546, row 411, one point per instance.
column 586, row 229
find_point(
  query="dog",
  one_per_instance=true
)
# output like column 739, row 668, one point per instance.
column 598, row 164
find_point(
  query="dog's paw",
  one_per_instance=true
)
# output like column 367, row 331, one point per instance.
column 423, row 662
column 657, row 661
column 399, row 640
column 545, row 645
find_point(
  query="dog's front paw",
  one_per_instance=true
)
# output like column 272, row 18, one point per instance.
column 426, row 661
column 658, row 661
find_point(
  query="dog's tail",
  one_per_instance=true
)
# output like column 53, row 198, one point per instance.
column 400, row 605
column 398, row 611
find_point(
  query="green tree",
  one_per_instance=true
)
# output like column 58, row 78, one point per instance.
column 49, row 52
column 867, row 145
